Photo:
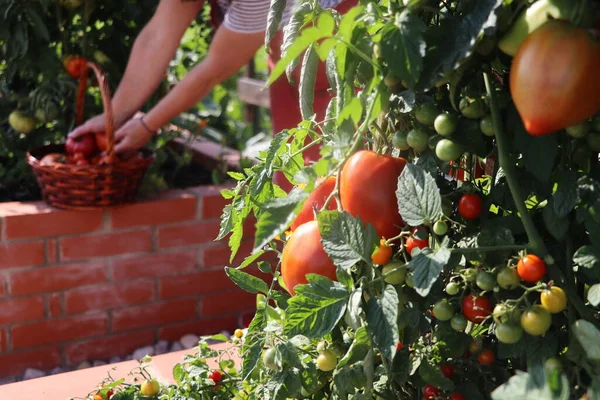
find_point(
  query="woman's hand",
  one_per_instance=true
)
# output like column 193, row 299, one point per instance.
column 92, row 125
column 132, row 136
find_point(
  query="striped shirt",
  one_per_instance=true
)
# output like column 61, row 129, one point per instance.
column 250, row 16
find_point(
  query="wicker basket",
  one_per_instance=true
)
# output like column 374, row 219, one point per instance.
column 74, row 187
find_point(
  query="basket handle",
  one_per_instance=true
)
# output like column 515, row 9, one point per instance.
column 106, row 103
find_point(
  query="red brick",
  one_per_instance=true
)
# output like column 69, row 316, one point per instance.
column 104, row 245
column 2, row 286
column 194, row 284
column 28, row 220
column 55, row 307
column 188, row 234
column 218, row 255
column 15, row 363
column 103, row 349
column 21, row 254
column 230, row 302
column 212, row 206
column 58, row 330
column 180, row 207
column 153, row 314
column 51, row 256
column 20, row 310
column 109, row 296
column 3, row 340
column 150, row 265
column 52, row 279
column 203, row 327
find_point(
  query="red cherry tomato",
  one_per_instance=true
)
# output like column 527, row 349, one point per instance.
column 400, row 346
column 476, row 309
column 430, row 392
column 216, row 376
column 74, row 65
column 531, row 268
column 368, row 186
column 383, row 254
column 469, row 206
column 447, row 370
column 413, row 243
column 86, row 145
column 486, row 357
column 303, row 254
column 316, row 200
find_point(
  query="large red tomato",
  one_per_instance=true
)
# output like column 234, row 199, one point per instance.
column 85, row 144
column 368, row 189
column 554, row 78
column 74, row 65
column 316, row 199
column 303, row 254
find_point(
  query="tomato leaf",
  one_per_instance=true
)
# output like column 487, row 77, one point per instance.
column 278, row 215
column 316, row 308
column 589, row 337
column 382, row 317
column 594, row 295
column 431, row 373
column 346, row 240
column 403, row 47
column 401, row 366
column 558, row 226
column 522, row 386
column 274, row 18
column 495, row 236
column 264, row 172
column 291, row 32
column 308, row 76
column 426, row 267
column 253, row 343
column 285, row 384
column 588, row 258
column 567, row 193
column 539, row 350
column 419, row 200
column 353, row 311
column 246, row 281
column 358, row 349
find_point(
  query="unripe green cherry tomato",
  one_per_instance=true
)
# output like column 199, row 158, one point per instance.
column 418, row 140
column 505, row 314
column 485, row 280
column 398, row 277
column 508, row 278
column 443, row 310
column 447, row 150
column 269, row 359
column 470, row 274
column 391, row 80
column 536, row 320
column 452, row 288
column 459, row 322
column 593, row 141
column 487, row 126
column 399, row 141
column 440, row 228
column 426, row 113
column 579, row 130
column 326, row 361
column 445, row 124
column 472, row 109
column 508, row 333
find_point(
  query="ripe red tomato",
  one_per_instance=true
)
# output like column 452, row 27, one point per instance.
column 74, row 65
column 101, row 141
column 216, row 376
column 85, row 145
column 568, row 85
column 476, row 309
column 400, row 346
column 531, row 268
column 469, row 206
column 368, row 189
column 447, row 370
column 316, row 200
column 430, row 392
column 456, row 396
column 414, row 243
column 303, row 254
column 486, row 357
column 383, row 254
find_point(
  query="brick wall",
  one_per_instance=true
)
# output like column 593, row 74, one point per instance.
column 90, row 285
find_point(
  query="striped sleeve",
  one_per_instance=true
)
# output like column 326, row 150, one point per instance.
column 250, row 16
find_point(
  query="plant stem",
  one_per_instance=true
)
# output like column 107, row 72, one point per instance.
column 308, row 146
column 535, row 240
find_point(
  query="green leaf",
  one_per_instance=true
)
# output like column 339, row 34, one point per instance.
column 227, row 219
column 403, row 47
column 278, row 215
column 495, row 236
column 316, row 308
column 348, row 23
column 558, row 226
column 522, row 386
column 274, row 19
column 326, row 23
column 251, row 258
column 285, row 384
column 352, row 111
column 358, row 349
column 567, row 193
column 291, row 32
column 400, row 366
column 308, row 77
column 589, row 337
column 588, row 258
column 353, row 312
column 345, row 239
column 539, row 349
column 594, row 295
column 38, row 25
column 432, row 374
column 426, row 267
column 382, row 314
column 419, row 200
column 266, row 169
column 246, row 281
column 253, row 343
column 470, row 139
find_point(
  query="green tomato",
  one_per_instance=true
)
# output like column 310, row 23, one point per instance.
column 536, row 320
column 508, row 278
column 445, row 124
column 485, row 280
column 391, row 80
column 505, row 314
column 472, row 109
column 21, row 122
column 470, row 274
column 426, row 113
column 418, row 140
column 409, row 281
column 443, row 310
column 593, row 140
column 579, row 130
column 487, row 126
column 269, row 359
column 452, row 288
column 447, row 150
column 398, row 277
column 508, row 333
column 459, row 322
column 326, row 361
column 399, row 141
column 440, row 228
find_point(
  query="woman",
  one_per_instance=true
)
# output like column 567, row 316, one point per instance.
column 236, row 41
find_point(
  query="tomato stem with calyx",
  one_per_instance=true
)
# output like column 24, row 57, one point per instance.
column 535, row 240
